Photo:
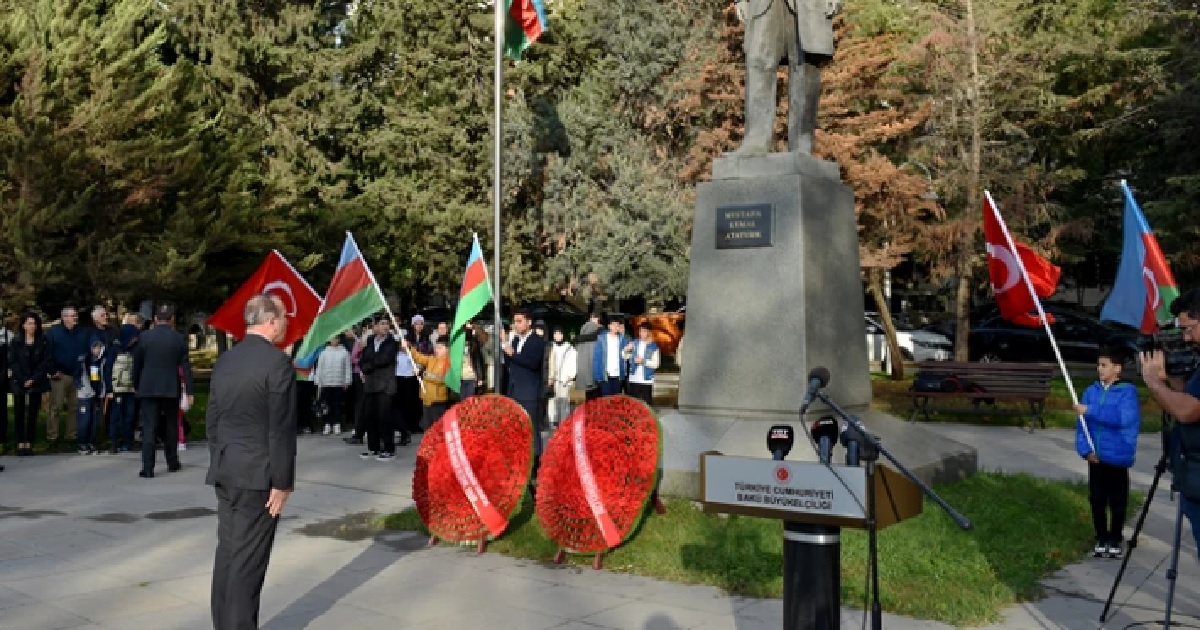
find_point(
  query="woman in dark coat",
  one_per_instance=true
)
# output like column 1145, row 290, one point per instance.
column 29, row 361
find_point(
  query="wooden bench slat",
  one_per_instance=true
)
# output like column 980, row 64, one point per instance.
column 1002, row 382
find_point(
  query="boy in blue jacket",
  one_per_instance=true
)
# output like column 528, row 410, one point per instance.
column 1112, row 414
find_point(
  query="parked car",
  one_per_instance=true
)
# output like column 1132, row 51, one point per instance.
column 1079, row 339
column 915, row 345
column 667, row 329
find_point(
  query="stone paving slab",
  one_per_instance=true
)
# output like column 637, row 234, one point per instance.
column 85, row 543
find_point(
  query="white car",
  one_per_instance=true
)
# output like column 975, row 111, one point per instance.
column 915, row 345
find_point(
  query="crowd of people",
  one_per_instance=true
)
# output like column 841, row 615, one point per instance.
column 383, row 385
column 135, row 381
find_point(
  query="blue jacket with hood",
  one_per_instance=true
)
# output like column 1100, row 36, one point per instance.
column 1114, row 419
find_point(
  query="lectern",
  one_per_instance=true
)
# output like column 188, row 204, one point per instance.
column 814, row 500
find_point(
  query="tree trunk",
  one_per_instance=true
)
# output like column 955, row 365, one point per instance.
column 875, row 284
column 966, row 246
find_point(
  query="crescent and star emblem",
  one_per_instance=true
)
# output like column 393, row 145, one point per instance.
column 1152, row 295
column 283, row 289
column 1005, row 256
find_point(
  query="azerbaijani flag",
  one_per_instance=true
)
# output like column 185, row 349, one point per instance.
column 352, row 296
column 524, row 22
column 1142, row 294
column 475, row 294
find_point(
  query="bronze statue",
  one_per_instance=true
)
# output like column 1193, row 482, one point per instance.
column 802, row 32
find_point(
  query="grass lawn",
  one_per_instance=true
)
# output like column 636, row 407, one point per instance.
column 892, row 397
column 928, row 568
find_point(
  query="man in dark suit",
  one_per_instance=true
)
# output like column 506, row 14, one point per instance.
column 524, row 353
column 378, row 365
column 251, row 424
column 159, row 355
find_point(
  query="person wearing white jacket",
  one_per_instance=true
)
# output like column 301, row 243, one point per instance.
column 333, row 377
column 562, row 378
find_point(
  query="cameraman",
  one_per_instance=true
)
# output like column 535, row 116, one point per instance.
column 1181, row 400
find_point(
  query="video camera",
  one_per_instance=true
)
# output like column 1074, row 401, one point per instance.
column 1181, row 358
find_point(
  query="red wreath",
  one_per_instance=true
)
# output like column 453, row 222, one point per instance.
column 496, row 438
column 622, row 441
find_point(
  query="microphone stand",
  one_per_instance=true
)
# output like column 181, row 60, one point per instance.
column 963, row 522
column 869, row 450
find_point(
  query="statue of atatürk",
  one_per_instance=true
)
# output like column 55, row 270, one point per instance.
column 802, row 32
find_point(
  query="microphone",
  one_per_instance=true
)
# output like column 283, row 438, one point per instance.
column 850, row 439
column 779, row 441
column 818, row 378
column 825, row 432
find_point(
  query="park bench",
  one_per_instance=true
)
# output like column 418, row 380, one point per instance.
column 985, row 385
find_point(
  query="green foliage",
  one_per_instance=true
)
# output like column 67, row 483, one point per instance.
column 160, row 150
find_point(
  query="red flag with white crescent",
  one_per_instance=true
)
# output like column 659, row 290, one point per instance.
column 277, row 277
column 1010, row 291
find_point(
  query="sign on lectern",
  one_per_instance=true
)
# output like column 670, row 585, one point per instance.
column 806, row 492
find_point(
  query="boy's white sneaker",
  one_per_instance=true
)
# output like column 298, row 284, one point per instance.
column 328, row 430
column 337, row 429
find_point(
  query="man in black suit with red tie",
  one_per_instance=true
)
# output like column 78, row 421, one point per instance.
column 252, row 444
column 524, row 354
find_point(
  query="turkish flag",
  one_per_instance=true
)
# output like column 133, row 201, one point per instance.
column 277, row 277
column 1011, row 292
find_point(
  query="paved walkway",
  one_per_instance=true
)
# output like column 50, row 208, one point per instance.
column 85, row 543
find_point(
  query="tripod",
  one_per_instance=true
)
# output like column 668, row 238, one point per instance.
column 1164, row 458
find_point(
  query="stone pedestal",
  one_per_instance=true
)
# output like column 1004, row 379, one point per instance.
column 775, row 289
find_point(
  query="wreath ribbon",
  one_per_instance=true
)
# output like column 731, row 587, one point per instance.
column 491, row 517
column 587, row 481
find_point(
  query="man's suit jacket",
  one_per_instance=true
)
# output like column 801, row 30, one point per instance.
column 814, row 25
column 251, row 421
column 157, row 357
column 600, row 356
column 525, row 368
column 379, row 366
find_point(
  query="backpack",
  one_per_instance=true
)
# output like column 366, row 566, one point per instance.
column 929, row 383
column 122, row 373
column 956, row 384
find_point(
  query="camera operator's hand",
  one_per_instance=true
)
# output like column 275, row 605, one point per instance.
column 1092, row 459
column 1154, row 366
column 1081, row 409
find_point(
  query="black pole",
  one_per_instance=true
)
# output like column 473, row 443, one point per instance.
column 1173, row 572
column 812, row 557
column 873, row 547
column 812, row 577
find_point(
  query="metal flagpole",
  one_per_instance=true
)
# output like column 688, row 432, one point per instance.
column 386, row 308
column 497, row 193
column 1062, row 365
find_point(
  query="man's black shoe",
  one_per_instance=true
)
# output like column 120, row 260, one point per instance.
column 175, row 468
column 145, row 475
column 352, row 440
